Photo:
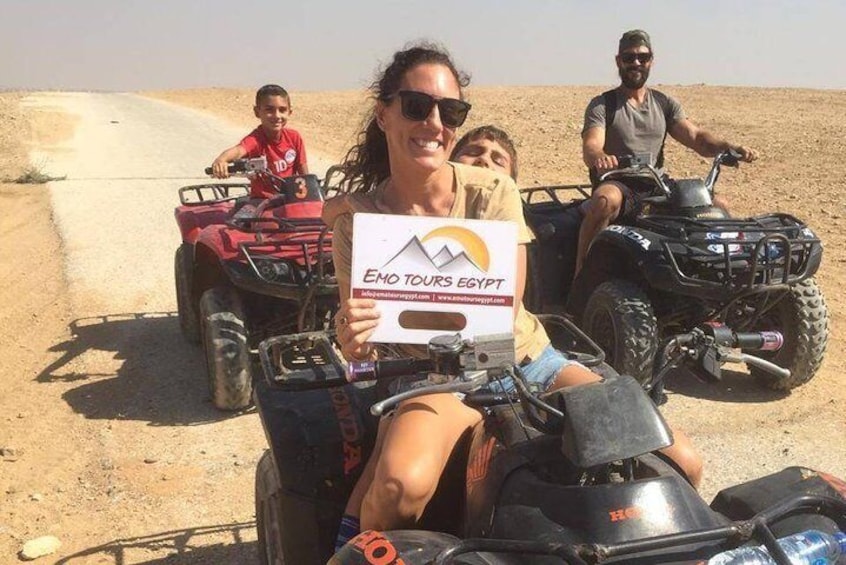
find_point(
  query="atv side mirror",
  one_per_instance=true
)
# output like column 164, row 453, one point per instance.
column 610, row 420
column 302, row 361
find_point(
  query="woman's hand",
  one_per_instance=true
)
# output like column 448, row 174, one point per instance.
column 355, row 322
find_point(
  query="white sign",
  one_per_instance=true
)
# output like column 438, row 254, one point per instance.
column 418, row 266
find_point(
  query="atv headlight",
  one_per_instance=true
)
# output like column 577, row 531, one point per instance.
column 273, row 271
column 719, row 248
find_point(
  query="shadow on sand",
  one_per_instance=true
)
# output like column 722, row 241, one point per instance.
column 735, row 386
column 162, row 378
column 202, row 545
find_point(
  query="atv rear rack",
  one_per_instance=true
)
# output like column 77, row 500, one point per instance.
column 732, row 535
column 205, row 194
column 552, row 193
column 716, row 254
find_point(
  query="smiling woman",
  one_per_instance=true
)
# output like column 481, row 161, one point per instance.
column 400, row 166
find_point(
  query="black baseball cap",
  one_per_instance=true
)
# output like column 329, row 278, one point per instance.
column 634, row 38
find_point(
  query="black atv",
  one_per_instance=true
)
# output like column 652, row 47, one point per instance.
column 248, row 269
column 681, row 263
column 569, row 476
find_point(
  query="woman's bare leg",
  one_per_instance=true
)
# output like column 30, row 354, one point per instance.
column 353, row 507
column 415, row 451
column 686, row 457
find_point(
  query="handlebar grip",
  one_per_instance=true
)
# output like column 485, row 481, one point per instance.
column 761, row 341
column 386, row 369
column 487, row 398
column 239, row 166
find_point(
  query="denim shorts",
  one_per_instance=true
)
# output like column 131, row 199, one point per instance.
column 540, row 373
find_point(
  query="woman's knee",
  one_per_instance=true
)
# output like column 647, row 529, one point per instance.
column 417, row 446
column 405, row 483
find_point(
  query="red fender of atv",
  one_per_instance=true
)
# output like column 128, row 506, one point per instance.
column 193, row 219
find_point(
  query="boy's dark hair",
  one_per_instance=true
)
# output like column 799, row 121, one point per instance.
column 366, row 163
column 491, row 133
column 271, row 90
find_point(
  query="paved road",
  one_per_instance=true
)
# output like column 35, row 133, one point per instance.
column 161, row 473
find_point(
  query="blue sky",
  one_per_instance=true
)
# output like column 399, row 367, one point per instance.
column 334, row 45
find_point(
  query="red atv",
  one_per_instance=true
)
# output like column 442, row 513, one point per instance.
column 248, row 269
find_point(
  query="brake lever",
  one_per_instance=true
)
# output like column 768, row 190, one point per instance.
column 466, row 383
column 762, row 364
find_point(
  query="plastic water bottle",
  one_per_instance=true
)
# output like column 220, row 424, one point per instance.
column 810, row 547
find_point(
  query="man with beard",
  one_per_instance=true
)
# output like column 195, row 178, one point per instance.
column 634, row 119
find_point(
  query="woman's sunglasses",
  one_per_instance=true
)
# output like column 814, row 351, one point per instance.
column 417, row 106
column 629, row 58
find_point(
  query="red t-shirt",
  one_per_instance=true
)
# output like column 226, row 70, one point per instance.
column 285, row 158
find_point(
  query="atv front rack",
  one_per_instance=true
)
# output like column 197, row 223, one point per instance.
column 307, row 253
column 273, row 225
column 758, row 529
column 738, row 255
column 213, row 193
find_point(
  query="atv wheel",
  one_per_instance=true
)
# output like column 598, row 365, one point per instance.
column 183, row 273
column 802, row 318
column 619, row 317
column 226, row 347
column 268, row 512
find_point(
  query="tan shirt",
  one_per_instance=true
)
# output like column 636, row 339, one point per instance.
column 479, row 194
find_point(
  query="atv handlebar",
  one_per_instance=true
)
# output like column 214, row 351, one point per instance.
column 709, row 346
column 245, row 167
column 465, row 382
column 761, row 341
column 724, row 336
column 385, row 369
column 641, row 163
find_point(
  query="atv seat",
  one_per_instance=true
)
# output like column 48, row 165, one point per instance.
column 553, row 253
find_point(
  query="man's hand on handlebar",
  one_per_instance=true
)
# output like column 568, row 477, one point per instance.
column 605, row 163
column 747, row 154
column 355, row 322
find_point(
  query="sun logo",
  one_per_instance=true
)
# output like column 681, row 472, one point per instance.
column 449, row 249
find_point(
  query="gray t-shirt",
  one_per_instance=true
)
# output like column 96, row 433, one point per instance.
column 635, row 129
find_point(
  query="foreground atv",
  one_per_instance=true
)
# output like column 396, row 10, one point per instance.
column 681, row 263
column 570, row 476
column 250, row 268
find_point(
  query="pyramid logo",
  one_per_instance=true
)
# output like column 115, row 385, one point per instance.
column 449, row 249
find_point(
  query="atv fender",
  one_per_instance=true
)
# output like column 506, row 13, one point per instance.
column 616, row 252
column 193, row 219
column 743, row 501
column 397, row 547
column 320, row 441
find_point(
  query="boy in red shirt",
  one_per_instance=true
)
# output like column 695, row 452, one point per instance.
column 283, row 147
